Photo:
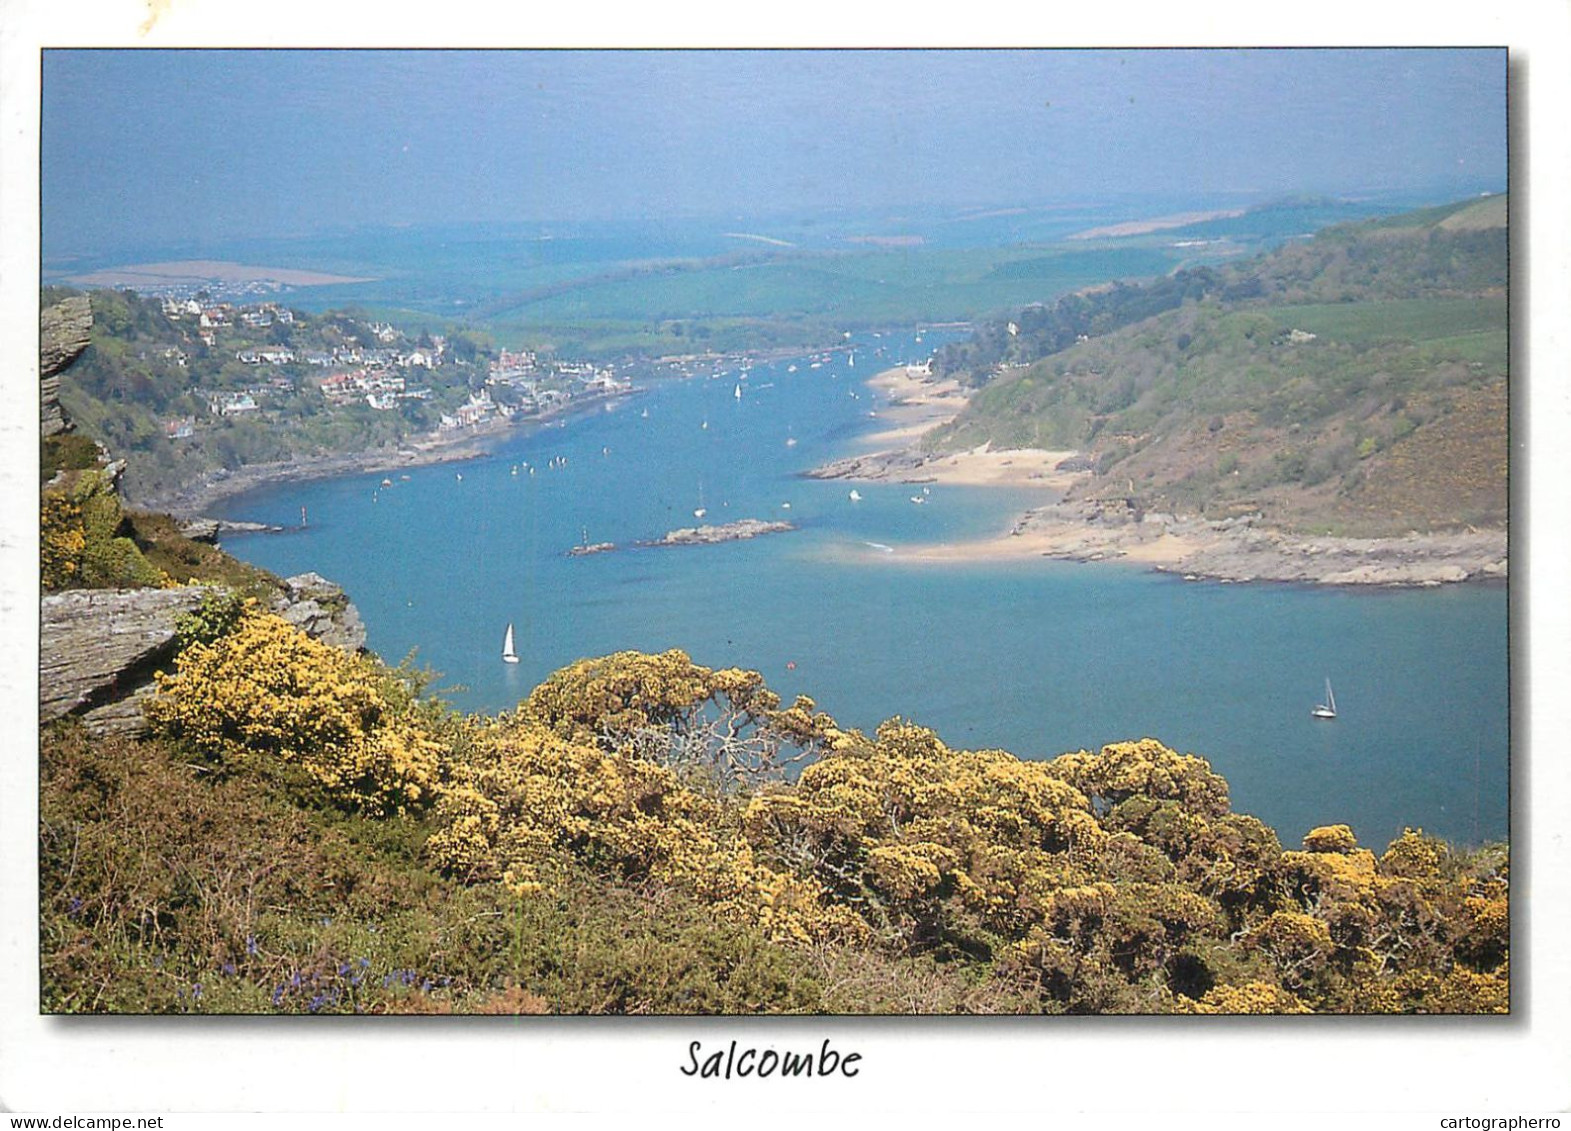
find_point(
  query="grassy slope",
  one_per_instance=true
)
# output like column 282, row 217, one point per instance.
column 1392, row 417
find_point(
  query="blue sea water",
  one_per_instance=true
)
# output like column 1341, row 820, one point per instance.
column 1035, row 657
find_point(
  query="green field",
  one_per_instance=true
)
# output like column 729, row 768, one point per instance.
column 858, row 289
column 1400, row 320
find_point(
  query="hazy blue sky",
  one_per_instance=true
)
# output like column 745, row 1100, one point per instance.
column 200, row 145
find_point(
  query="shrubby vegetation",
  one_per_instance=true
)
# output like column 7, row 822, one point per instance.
column 84, row 536
column 1352, row 383
column 304, row 831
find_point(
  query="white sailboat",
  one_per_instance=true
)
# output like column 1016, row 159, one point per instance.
column 1326, row 710
column 508, row 654
column 739, row 390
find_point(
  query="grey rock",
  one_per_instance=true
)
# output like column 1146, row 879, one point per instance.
column 200, row 529
column 322, row 610
column 64, row 331
column 99, row 648
column 209, row 529
column 729, row 532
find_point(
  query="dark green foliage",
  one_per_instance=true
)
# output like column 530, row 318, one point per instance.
column 217, row 615
column 67, row 451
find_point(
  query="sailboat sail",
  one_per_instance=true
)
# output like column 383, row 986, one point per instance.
column 1326, row 710
column 508, row 654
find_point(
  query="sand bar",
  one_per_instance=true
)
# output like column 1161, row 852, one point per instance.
column 204, row 270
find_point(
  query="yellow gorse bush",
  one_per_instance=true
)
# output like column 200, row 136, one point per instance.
column 62, row 538
column 267, row 691
column 899, row 824
column 561, row 778
column 1114, row 880
column 80, row 537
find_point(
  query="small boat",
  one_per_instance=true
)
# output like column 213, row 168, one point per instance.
column 856, row 496
column 387, row 482
column 508, row 654
column 1326, row 710
column 739, row 390
column 919, row 499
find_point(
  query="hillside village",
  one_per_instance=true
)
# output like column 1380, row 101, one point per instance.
column 200, row 385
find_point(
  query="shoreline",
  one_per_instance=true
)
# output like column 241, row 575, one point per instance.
column 1228, row 551
column 425, row 450
column 1232, row 550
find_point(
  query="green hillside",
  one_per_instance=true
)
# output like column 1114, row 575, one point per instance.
column 1352, row 383
column 800, row 299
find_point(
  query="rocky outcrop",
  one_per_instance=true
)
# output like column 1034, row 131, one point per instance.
column 1236, row 549
column 98, row 650
column 210, row 529
column 64, row 331
column 903, row 466
column 321, row 609
column 729, row 532
column 1416, row 559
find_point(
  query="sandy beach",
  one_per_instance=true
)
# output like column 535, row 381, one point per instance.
column 1090, row 530
column 206, row 270
column 910, row 404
